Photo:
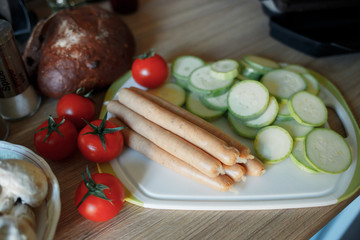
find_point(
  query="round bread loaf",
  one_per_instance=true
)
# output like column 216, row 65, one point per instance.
column 82, row 47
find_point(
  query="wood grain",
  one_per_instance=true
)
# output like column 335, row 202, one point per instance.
column 210, row 29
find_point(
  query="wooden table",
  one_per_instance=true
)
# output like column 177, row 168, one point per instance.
column 211, row 30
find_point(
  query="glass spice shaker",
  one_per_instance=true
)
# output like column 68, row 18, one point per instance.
column 18, row 98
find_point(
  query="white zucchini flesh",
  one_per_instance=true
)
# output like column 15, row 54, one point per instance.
column 283, row 83
column 183, row 66
column 284, row 114
column 312, row 83
column 267, row 117
column 194, row 105
column 216, row 103
column 240, row 128
column 307, row 109
column 295, row 129
column 170, row 92
column 203, row 83
column 248, row 99
column 327, row 151
column 224, row 69
column 299, row 159
column 261, row 63
column 273, row 144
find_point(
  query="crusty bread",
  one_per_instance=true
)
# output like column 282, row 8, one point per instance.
column 83, row 47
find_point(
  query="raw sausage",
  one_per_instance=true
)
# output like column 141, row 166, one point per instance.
column 179, row 126
column 137, row 142
column 167, row 140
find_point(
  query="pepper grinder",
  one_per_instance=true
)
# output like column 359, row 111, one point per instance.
column 18, row 98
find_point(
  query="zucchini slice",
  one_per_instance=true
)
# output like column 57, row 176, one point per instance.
column 295, row 129
column 312, row 83
column 283, row 83
column 296, row 68
column 307, row 109
column 184, row 65
column 240, row 128
column 249, row 72
column 170, row 92
column 194, row 105
column 284, row 114
column 273, row 144
column 267, row 117
column 264, row 64
column 298, row 157
column 327, row 151
column 224, row 69
column 216, row 103
column 202, row 83
column 248, row 99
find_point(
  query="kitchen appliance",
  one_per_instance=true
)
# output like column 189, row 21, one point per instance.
column 316, row 27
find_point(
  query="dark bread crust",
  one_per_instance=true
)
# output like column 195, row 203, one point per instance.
column 83, row 47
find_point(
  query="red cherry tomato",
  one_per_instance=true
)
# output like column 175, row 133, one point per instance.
column 56, row 139
column 149, row 70
column 76, row 108
column 94, row 207
column 91, row 145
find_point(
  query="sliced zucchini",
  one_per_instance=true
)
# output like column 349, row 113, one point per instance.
column 327, row 151
column 240, row 128
column 295, row 129
column 194, row 105
column 202, row 83
column 216, row 103
column 267, row 117
column 261, row 63
column 241, row 77
column 307, row 109
column 283, row 83
column 248, row 99
column 284, row 114
column 296, row 68
column 170, row 92
column 249, row 72
column 224, row 69
column 312, row 83
column 273, row 144
column 182, row 82
column 298, row 157
column 183, row 66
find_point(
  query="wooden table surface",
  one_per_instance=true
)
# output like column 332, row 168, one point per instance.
column 212, row 30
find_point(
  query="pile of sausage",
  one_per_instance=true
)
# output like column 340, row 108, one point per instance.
column 181, row 141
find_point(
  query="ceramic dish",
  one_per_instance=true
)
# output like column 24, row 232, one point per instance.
column 283, row 185
column 47, row 215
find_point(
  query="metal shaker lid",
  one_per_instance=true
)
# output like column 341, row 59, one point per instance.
column 6, row 31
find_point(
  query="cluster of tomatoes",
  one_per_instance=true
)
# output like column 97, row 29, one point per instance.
column 100, row 196
column 75, row 127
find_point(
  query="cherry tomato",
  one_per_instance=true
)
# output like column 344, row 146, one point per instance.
column 105, row 197
column 149, row 70
column 56, row 139
column 100, row 141
column 76, row 107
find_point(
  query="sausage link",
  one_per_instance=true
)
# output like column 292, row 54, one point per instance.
column 179, row 126
column 167, row 140
column 138, row 143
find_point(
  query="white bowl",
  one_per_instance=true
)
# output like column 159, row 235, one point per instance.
column 47, row 215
